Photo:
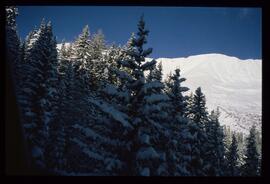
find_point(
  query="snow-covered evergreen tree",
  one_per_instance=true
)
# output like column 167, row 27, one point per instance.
column 113, row 121
column 175, row 92
column 251, row 159
column 189, row 103
column 109, row 120
column 158, row 115
column 98, row 54
column 94, row 122
column 76, row 72
column 32, row 92
column 39, row 91
column 232, row 158
column 83, row 61
column 227, row 137
column 111, row 56
column 55, row 142
column 198, row 110
column 12, row 42
column 179, row 149
column 24, row 94
column 198, row 116
column 82, row 84
column 214, row 149
column 155, row 73
column 63, row 59
column 142, row 158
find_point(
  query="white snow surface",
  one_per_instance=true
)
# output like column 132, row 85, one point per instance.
column 59, row 45
column 117, row 115
column 233, row 84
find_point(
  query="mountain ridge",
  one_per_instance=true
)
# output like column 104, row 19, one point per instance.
column 207, row 55
column 233, row 84
column 227, row 82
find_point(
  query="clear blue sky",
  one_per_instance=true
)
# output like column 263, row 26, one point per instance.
column 174, row 31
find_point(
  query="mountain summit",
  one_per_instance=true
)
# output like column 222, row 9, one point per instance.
column 230, row 83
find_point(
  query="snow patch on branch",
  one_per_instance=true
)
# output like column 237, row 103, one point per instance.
column 90, row 133
column 148, row 65
column 114, row 113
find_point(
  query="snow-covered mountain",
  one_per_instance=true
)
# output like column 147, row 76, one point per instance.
column 230, row 83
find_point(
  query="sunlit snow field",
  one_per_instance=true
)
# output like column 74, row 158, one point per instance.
column 229, row 82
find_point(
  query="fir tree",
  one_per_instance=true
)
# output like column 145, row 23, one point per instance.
column 215, row 150
column 227, row 137
column 39, row 91
column 55, row 143
column 198, row 110
column 97, row 44
column 98, row 54
column 232, row 158
column 175, row 93
column 198, row 116
column 179, row 156
column 13, row 45
column 33, row 91
column 83, row 63
column 251, row 159
column 155, row 73
column 143, row 158
column 63, row 59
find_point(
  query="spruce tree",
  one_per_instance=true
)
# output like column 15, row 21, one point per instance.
column 83, row 63
column 198, row 109
column 251, row 159
column 39, row 96
column 112, row 55
column 94, row 122
column 142, row 158
column 176, row 93
column 227, row 137
column 214, row 147
column 158, row 115
column 109, row 120
column 98, row 54
column 33, row 91
column 83, row 83
column 198, row 116
column 180, row 138
column 232, row 158
column 63, row 59
column 55, row 143
column 12, row 43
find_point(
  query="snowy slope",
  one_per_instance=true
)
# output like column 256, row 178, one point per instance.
column 233, row 84
column 59, row 45
column 230, row 83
